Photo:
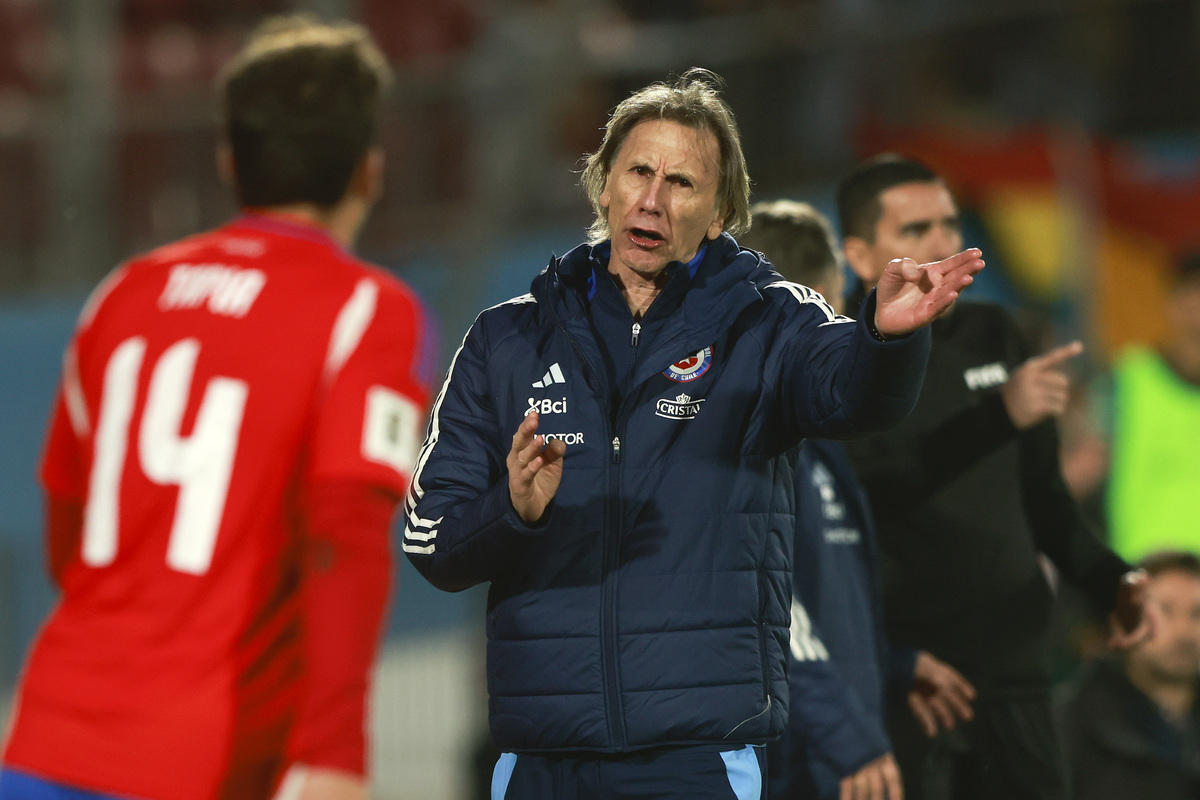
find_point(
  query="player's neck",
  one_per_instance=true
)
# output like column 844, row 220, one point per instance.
column 342, row 222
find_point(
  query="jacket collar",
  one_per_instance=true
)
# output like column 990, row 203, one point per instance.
column 725, row 283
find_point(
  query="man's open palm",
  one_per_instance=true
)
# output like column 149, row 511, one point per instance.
column 534, row 469
column 910, row 295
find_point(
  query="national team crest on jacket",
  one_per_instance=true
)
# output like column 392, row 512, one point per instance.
column 691, row 367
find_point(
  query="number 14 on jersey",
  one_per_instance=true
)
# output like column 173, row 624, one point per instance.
column 200, row 464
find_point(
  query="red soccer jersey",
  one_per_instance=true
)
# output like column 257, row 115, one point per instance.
column 212, row 389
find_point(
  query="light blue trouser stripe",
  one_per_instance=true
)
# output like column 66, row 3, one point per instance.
column 745, row 776
column 502, row 774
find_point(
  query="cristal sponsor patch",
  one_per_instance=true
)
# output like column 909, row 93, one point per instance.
column 682, row 407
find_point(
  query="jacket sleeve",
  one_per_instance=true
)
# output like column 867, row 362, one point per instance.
column 826, row 716
column 839, row 381
column 460, row 528
column 1058, row 524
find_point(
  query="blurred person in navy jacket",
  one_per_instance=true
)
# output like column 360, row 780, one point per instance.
column 836, row 744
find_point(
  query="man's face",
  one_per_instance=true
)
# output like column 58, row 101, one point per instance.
column 1172, row 655
column 661, row 197
column 919, row 221
column 1183, row 310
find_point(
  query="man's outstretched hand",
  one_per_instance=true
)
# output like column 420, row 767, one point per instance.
column 1133, row 621
column 1039, row 389
column 534, row 469
column 910, row 295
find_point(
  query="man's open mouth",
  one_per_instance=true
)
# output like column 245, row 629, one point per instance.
column 645, row 238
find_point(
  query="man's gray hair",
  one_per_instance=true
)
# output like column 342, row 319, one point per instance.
column 693, row 99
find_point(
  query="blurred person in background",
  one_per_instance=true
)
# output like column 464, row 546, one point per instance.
column 612, row 454
column 836, row 744
column 1153, row 425
column 966, row 492
column 1131, row 725
column 237, row 417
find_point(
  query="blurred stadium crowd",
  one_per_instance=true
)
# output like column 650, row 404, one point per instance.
column 1069, row 131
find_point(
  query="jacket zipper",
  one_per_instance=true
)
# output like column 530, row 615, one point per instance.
column 610, row 559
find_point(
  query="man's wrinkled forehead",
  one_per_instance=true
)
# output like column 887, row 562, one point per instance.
column 699, row 140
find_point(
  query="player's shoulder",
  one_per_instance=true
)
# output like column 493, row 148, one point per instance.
column 392, row 301
column 205, row 245
column 136, row 270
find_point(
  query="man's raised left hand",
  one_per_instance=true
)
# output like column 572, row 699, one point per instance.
column 911, row 295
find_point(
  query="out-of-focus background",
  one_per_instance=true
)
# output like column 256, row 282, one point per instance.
column 1070, row 130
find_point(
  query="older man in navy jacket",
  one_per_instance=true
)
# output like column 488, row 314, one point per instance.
column 611, row 454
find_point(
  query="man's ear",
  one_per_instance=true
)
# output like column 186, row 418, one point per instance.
column 226, row 170
column 858, row 258
column 367, row 181
column 717, row 225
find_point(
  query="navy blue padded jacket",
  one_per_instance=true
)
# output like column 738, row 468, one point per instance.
column 650, row 605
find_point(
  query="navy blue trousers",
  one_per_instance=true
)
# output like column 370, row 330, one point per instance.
column 691, row 773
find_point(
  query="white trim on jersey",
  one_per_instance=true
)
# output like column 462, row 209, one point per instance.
column 73, row 395
column 293, row 782
column 72, row 386
column 417, row 529
column 805, row 644
column 352, row 322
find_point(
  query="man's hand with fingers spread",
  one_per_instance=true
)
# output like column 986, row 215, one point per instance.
column 910, row 295
column 1133, row 621
column 1038, row 389
column 878, row 780
column 534, row 469
column 940, row 695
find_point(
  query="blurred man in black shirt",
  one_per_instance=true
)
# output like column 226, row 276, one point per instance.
column 967, row 491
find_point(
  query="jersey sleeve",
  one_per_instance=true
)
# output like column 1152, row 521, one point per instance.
column 346, row 568
column 362, row 451
column 1059, row 527
column 369, row 423
column 63, row 472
